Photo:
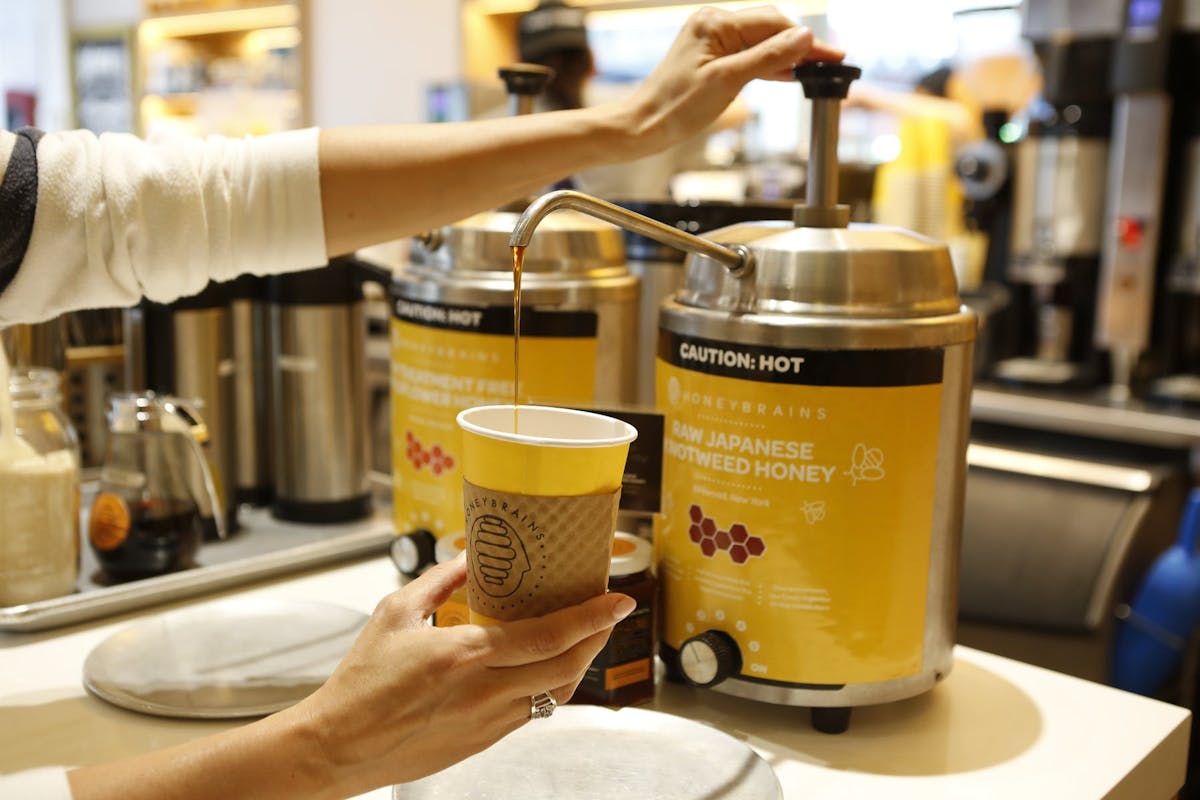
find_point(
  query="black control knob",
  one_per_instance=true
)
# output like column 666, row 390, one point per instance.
column 826, row 80
column 526, row 79
column 414, row 552
column 709, row 658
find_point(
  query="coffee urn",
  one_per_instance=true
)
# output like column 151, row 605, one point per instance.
column 815, row 378
column 318, row 394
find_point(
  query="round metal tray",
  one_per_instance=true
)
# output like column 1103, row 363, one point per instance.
column 241, row 658
column 586, row 752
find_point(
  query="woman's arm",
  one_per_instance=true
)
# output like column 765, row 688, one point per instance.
column 408, row 700
column 91, row 222
column 383, row 182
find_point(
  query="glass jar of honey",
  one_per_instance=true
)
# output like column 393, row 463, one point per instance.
column 623, row 673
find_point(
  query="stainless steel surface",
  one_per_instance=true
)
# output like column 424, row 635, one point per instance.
column 1184, row 275
column 40, row 345
column 1135, row 190
column 851, row 278
column 660, row 280
column 698, row 662
column 520, row 104
column 573, row 263
column 251, row 396
column 133, row 335
column 566, row 243
column 734, row 259
column 1088, row 415
column 204, row 371
column 595, row 753
column 1061, row 468
column 1058, row 204
column 320, row 405
column 821, row 190
column 263, row 549
column 239, row 658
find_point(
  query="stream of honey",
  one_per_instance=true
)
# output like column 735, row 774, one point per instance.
column 518, row 262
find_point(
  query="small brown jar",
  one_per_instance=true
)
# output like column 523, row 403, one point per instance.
column 623, row 673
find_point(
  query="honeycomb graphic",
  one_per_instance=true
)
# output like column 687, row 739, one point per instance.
column 737, row 542
column 437, row 459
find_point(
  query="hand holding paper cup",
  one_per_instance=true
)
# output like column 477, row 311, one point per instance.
column 540, row 507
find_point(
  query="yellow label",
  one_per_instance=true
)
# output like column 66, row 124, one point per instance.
column 797, row 518
column 625, row 674
column 438, row 371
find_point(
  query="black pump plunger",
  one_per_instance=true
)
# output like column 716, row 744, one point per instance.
column 524, row 82
column 825, row 84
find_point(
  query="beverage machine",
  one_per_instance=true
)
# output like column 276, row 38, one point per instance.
column 1085, row 428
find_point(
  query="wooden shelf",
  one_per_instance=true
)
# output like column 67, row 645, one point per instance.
column 201, row 60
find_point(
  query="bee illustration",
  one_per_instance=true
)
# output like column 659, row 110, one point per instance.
column 814, row 511
column 866, row 464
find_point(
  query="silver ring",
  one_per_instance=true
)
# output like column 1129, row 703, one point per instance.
column 541, row 706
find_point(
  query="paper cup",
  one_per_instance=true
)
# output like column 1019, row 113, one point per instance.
column 540, row 507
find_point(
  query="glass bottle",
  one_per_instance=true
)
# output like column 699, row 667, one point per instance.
column 623, row 673
column 39, row 493
column 147, row 518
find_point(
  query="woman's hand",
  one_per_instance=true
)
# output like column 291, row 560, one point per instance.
column 715, row 54
column 409, row 699
column 405, row 702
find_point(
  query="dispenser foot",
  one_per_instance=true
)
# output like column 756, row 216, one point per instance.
column 831, row 720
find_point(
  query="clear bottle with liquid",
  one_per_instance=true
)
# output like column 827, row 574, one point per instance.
column 39, row 491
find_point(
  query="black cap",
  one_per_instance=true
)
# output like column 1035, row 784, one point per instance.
column 551, row 27
column 826, row 79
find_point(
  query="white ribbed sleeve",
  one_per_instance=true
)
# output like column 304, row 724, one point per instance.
column 119, row 218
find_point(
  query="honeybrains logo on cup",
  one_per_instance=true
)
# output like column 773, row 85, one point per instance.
column 501, row 562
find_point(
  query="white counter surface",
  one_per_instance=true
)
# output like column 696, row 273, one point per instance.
column 995, row 728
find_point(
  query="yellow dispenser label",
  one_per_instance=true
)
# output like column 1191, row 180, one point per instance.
column 798, row 493
column 446, row 358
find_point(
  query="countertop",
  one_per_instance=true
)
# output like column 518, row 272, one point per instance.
column 995, row 728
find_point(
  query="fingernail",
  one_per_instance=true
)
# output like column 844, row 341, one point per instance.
column 800, row 33
column 622, row 606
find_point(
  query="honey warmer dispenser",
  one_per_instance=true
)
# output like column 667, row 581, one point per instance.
column 815, row 379
column 452, row 340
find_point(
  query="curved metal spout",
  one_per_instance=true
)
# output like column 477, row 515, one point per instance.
column 735, row 258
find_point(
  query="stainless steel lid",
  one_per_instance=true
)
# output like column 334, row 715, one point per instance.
column 239, row 658
column 567, row 242
column 594, row 753
column 863, row 271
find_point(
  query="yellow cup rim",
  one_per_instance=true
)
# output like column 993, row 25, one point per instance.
column 627, row 433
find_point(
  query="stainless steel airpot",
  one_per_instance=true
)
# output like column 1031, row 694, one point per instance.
column 815, row 379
